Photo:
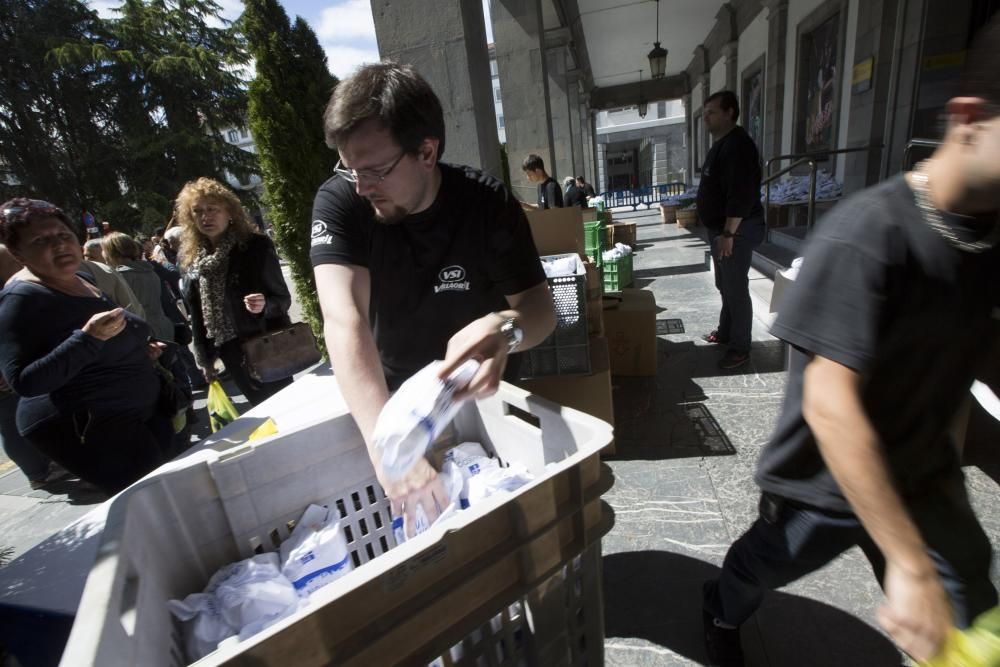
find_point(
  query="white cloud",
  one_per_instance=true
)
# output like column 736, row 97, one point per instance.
column 104, row 8
column 231, row 10
column 343, row 59
column 349, row 20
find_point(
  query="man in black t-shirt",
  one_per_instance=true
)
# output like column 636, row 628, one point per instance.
column 587, row 188
column 891, row 317
column 549, row 194
column 416, row 260
column 729, row 207
column 573, row 195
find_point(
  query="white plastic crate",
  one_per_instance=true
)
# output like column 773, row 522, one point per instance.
column 166, row 536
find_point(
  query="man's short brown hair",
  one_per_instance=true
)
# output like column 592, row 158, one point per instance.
column 394, row 95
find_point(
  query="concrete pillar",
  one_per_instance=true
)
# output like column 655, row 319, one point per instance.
column 729, row 52
column 602, row 168
column 445, row 40
column 518, row 35
column 559, row 114
column 774, row 78
column 575, row 125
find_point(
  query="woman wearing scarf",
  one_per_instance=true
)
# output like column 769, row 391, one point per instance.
column 233, row 283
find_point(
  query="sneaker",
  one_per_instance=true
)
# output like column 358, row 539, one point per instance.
column 54, row 473
column 722, row 645
column 733, row 359
column 714, row 338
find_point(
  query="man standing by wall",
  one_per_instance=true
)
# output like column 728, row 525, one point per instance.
column 549, row 193
column 416, row 260
column 862, row 453
column 729, row 206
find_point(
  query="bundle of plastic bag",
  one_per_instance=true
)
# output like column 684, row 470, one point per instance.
column 417, row 414
column 617, row 252
column 452, row 480
column 568, row 265
column 241, row 599
column 316, row 553
column 978, row 646
column 469, row 459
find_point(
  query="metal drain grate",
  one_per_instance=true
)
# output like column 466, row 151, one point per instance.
column 713, row 438
column 669, row 327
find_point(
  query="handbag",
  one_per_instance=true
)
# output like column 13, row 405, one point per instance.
column 280, row 354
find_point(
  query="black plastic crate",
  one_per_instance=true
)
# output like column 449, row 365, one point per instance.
column 567, row 350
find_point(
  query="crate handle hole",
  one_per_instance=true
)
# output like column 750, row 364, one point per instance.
column 525, row 416
column 130, row 598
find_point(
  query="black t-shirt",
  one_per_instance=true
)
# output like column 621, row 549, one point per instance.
column 730, row 180
column 884, row 294
column 437, row 270
column 549, row 194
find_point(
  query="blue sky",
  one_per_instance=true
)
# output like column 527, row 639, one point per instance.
column 345, row 28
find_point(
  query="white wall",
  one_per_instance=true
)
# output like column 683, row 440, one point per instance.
column 717, row 80
column 798, row 10
column 752, row 43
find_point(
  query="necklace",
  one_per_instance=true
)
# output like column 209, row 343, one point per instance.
column 932, row 216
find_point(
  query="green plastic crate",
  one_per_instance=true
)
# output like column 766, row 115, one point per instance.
column 617, row 273
column 593, row 240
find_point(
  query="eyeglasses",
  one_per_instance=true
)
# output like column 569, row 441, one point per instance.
column 355, row 176
column 39, row 205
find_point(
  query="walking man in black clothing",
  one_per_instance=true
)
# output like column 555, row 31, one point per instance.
column 549, row 193
column 862, row 453
column 729, row 206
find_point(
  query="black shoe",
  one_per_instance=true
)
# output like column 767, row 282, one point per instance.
column 733, row 359
column 722, row 645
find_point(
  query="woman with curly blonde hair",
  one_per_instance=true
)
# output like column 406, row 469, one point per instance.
column 234, row 284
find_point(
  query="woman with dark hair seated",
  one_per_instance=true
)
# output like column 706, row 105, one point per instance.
column 90, row 395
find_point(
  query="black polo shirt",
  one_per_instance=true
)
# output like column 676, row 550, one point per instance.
column 730, row 181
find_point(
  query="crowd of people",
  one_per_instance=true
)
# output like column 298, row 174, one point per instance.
column 95, row 333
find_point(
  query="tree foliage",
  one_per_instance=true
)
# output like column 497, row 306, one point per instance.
column 286, row 102
column 115, row 115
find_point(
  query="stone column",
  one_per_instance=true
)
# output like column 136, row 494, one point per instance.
column 559, row 113
column 602, row 169
column 445, row 40
column 575, row 126
column 774, row 77
column 729, row 52
column 689, row 133
column 518, row 35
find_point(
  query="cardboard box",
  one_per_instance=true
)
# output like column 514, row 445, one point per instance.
column 557, row 230
column 630, row 327
column 781, row 284
column 591, row 215
column 622, row 232
column 587, row 393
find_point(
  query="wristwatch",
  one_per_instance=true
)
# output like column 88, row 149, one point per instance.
column 511, row 331
column 726, row 234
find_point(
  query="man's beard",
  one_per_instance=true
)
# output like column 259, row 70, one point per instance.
column 393, row 216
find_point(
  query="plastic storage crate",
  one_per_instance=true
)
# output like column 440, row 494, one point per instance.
column 618, row 273
column 567, row 349
column 593, row 240
column 514, row 580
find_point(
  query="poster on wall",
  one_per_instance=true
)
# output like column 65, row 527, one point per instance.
column 753, row 107
column 818, row 68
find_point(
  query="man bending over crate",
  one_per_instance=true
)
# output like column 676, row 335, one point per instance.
column 416, row 260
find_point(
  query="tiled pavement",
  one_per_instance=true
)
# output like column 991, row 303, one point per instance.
column 687, row 443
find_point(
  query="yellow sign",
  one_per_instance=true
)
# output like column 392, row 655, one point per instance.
column 945, row 61
column 863, row 71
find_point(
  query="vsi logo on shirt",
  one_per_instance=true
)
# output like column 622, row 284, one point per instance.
column 452, row 279
column 319, row 235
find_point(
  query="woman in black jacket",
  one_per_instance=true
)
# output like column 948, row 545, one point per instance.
column 233, row 284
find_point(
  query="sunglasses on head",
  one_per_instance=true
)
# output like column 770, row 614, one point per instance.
column 38, row 205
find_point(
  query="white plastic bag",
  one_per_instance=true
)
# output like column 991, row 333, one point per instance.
column 240, row 599
column 316, row 553
column 497, row 480
column 470, row 459
column 416, row 414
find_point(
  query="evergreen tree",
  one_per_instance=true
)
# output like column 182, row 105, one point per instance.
column 287, row 99
column 172, row 73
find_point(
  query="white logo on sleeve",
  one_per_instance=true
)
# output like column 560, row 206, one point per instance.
column 452, row 279
column 319, row 235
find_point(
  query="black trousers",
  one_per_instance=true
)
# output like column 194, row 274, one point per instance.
column 111, row 450
column 733, row 282
column 231, row 354
column 787, row 542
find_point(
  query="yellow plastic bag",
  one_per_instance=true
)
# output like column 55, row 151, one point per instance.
column 221, row 410
column 264, row 430
column 978, row 646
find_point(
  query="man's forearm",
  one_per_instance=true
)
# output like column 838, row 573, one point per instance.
column 852, row 451
column 732, row 224
column 535, row 314
column 356, row 363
